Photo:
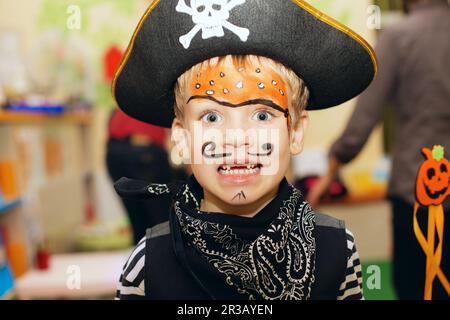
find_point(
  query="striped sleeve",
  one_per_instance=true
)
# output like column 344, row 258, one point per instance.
column 131, row 282
column 351, row 286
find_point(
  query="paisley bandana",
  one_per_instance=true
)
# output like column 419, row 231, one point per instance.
column 270, row 256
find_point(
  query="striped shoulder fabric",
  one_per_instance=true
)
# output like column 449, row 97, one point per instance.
column 351, row 287
column 131, row 282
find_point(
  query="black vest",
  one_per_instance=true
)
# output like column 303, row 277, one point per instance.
column 166, row 279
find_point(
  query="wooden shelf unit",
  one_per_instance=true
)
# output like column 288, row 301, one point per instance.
column 18, row 117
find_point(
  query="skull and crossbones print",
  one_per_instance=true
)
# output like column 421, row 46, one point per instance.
column 210, row 16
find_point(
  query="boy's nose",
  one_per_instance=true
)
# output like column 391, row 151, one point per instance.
column 237, row 133
column 236, row 138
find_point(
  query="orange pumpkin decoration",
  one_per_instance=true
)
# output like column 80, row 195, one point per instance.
column 433, row 179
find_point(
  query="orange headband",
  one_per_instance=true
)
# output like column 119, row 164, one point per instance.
column 236, row 88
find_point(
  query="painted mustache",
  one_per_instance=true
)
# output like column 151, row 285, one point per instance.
column 208, row 151
column 266, row 147
column 209, row 147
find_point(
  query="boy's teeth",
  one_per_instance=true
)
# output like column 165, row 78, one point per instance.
column 249, row 170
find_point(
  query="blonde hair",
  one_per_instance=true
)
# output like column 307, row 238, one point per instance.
column 299, row 93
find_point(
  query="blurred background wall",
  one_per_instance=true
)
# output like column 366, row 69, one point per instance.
column 57, row 51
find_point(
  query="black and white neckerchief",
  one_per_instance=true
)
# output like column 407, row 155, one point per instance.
column 270, row 256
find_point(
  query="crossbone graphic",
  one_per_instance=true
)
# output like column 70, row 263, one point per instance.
column 210, row 16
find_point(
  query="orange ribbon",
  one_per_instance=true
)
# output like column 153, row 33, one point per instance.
column 434, row 254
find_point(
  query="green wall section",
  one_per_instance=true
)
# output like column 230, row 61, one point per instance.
column 103, row 23
column 386, row 290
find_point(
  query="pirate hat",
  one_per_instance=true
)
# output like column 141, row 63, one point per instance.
column 173, row 35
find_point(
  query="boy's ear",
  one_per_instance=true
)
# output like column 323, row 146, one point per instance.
column 177, row 124
column 178, row 132
column 297, row 133
column 180, row 138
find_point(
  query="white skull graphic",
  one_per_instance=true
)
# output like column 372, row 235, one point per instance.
column 210, row 16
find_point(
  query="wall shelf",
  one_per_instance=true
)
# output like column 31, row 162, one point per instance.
column 33, row 117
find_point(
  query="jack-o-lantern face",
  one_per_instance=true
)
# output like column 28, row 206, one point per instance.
column 432, row 185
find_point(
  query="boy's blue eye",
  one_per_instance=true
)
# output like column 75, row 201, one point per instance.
column 262, row 116
column 211, row 117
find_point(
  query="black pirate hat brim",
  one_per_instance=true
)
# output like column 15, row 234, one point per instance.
column 335, row 62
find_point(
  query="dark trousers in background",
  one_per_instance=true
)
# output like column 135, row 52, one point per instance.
column 149, row 163
column 409, row 258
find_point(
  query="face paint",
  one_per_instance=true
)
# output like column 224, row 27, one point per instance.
column 239, row 196
column 208, row 151
column 237, row 88
column 266, row 147
column 245, row 163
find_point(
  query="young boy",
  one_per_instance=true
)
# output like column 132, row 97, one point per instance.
column 237, row 229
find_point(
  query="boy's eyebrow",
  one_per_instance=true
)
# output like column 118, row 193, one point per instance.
column 265, row 102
